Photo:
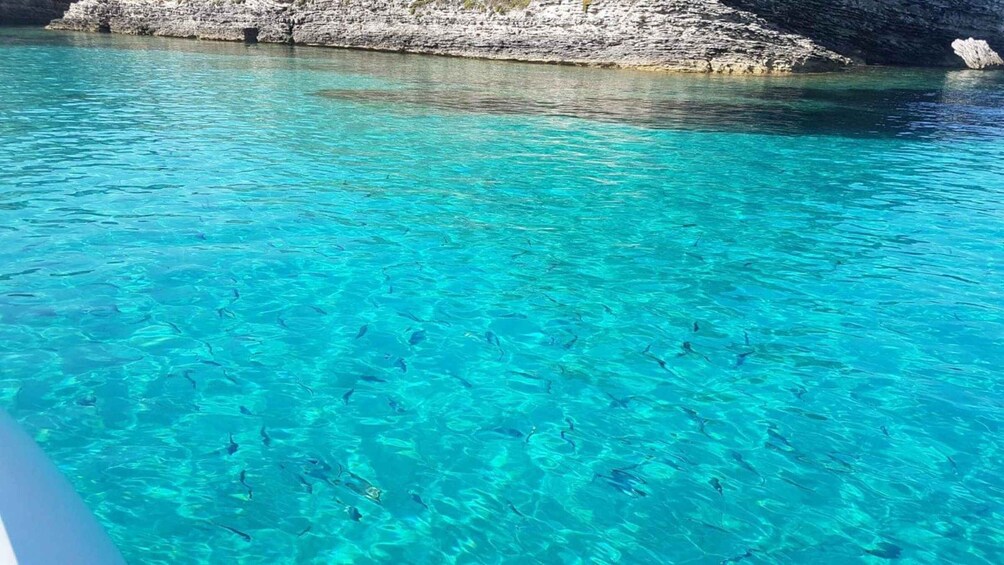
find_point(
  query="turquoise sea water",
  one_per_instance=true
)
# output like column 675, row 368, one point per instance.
column 274, row 305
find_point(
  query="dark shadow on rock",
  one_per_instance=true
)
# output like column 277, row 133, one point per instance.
column 898, row 32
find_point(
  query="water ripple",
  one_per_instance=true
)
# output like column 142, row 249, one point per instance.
column 484, row 310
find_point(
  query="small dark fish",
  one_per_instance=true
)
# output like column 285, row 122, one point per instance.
column 320, row 311
column 360, row 486
column 177, row 329
column 688, row 349
column 746, row 338
column 885, row 550
column 741, row 358
column 243, row 536
column 348, row 395
column 623, row 481
column 840, row 461
column 514, row 510
column 697, row 327
column 265, row 438
column 533, row 431
column 773, row 434
column 799, row 392
column 566, row 438
column 281, row 322
column 955, row 466
column 395, row 406
column 796, row 484
column 305, row 387
column 411, row 317
column 697, row 418
column 401, row 364
column 689, row 226
column 243, row 479
column 514, row 315
column 620, row 402
column 353, row 513
column 885, row 431
column 212, row 363
column 463, row 381
column 371, row 379
column 237, row 294
column 492, row 338
column 661, row 362
column 738, row 558
column 188, row 377
column 307, row 486
column 673, row 464
column 362, row 331
column 569, row 344
column 303, row 532
column 547, row 382
column 717, row 485
column 417, row 337
column 511, row 432
column 87, row 401
column 738, row 457
column 320, row 470
column 418, row 500
column 526, row 375
column 232, row 446
column 225, row 313
column 571, row 425
column 245, row 411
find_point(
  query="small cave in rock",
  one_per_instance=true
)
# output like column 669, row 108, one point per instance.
column 104, row 27
column 250, row 35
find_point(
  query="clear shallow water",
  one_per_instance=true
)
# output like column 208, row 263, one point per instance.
column 585, row 316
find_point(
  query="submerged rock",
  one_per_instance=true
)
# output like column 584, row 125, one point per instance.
column 977, row 53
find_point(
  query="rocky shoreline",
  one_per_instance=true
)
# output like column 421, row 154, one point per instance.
column 719, row 36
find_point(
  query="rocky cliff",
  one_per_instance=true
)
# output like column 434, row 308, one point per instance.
column 694, row 35
column 31, row 11
column 900, row 32
column 729, row 36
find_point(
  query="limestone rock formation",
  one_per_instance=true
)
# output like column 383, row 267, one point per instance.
column 725, row 36
column 977, row 53
column 685, row 35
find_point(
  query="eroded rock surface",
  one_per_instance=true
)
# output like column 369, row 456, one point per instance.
column 688, row 35
column 726, row 36
column 977, row 53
